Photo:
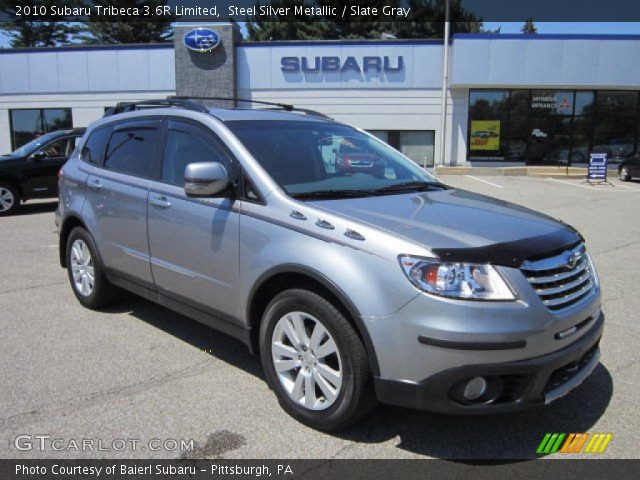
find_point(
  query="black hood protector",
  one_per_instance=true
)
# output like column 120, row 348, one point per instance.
column 513, row 254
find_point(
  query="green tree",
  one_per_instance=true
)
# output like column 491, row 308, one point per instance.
column 529, row 26
column 40, row 31
column 427, row 21
column 116, row 29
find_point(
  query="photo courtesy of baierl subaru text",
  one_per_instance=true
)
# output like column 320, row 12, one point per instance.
column 319, row 239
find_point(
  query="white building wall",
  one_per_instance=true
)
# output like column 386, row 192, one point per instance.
column 85, row 108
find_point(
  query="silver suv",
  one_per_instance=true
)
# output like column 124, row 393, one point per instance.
column 355, row 274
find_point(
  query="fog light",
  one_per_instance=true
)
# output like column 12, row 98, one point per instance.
column 475, row 388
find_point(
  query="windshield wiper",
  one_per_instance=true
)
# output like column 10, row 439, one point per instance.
column 332, row 194
column 411, row 186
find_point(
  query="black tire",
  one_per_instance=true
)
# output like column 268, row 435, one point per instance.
column 9, row 193
column 624, row 174
column 356, row 397
column 103, row 293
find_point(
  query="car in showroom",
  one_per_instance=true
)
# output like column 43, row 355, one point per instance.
column 353, row 289
column 31, row 171
column 629, row 168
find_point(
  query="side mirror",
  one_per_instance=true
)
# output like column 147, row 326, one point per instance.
column 205, row 179
column 39, row 155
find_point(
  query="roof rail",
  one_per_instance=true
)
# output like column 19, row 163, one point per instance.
column 122, row 107
column 284, row 106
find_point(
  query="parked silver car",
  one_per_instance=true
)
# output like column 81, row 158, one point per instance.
column 352, row 288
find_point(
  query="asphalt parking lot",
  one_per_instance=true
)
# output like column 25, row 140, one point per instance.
column 138, row 371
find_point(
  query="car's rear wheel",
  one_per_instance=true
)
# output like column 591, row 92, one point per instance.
column 314, row 361
column 9, row 199
column 87, row 277
column 625, row 176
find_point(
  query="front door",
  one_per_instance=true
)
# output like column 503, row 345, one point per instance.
column 41, row 170
column 194, row 243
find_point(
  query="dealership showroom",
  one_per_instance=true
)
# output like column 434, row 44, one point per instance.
column 512, row 99
column 138, row 375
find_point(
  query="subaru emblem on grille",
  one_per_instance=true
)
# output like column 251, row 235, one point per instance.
column 572, row 260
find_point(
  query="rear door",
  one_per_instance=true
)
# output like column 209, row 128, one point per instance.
column 116, row 202
column 194, row 242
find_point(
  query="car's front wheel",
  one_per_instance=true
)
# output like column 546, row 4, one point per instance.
column 625, row 176
column 314, row 361
column 9, row 199
column 88, row 280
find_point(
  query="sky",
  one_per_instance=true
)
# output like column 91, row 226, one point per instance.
column 611, row 28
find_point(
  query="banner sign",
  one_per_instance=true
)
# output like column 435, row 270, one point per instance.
column 597, row 167
column 485, row 135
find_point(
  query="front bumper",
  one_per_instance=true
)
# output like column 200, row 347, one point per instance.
column 522, row 383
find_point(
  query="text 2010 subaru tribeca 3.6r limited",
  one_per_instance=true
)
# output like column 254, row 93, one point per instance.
column 352, row 286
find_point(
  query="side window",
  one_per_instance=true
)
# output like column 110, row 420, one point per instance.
column 57, row 148
column 131, row 150
column 94, row 147
column 183, row 148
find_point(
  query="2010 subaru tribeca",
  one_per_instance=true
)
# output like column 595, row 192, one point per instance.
column 353, row 285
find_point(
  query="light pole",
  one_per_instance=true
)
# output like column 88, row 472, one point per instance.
column 445, row 82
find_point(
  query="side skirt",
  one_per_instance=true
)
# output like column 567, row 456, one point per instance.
column 213, row 321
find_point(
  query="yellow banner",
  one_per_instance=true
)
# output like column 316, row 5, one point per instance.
column 485, row 135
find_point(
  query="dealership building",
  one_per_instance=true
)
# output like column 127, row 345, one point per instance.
column 511, row 99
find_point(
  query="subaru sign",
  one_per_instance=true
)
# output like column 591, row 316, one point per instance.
column 201, row 40
column 335, row 64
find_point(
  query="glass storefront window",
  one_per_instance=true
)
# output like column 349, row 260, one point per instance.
column 489, row 104
column 614, row 123
column 418, row 145
column 27, row 124
column 552, row 126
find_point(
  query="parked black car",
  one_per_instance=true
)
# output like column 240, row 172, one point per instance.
column 31, row 171
column 629, row 168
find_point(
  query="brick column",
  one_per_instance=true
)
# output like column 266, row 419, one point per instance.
column 211, row 74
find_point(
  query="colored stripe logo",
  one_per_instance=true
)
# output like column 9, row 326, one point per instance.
column 574, row 443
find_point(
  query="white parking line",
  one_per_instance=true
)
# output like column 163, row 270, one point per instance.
column 609, row 188
column 569, row 183
column 624, row 186
column 484, row 181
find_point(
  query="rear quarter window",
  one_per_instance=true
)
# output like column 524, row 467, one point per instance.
column 93, row 149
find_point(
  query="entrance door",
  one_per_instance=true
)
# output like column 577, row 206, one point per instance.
column 549, row 140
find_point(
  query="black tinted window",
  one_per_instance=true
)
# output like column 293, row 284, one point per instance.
column 182, row 149
column 94, row 147
column 132, row 150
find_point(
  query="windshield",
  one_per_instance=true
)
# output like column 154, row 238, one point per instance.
column 35, row 144
column 310, row 159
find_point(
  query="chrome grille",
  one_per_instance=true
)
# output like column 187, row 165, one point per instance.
column 562, row 280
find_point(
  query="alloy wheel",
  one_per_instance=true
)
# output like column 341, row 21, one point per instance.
column 624, row 173
column 306, row 360
column 82, row 268
column 6, row 199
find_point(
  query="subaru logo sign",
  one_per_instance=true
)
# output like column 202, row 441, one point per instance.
column 201, row 40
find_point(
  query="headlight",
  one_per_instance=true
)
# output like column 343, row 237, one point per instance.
column 592, row 267
column 466, row 281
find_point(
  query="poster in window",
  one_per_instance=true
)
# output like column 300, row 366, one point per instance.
column 485, row 135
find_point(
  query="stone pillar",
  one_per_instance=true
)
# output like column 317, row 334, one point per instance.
column 207, row 74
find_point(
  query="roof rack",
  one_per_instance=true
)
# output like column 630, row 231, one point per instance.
column 188, row 103
column 122, row 107
column 284, row 106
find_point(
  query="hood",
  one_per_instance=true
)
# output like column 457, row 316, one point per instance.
column 458, row 225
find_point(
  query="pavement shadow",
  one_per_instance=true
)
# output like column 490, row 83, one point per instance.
column 461, row 438
column 39, row 207
column 200, row 336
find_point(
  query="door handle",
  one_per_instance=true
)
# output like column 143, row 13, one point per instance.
column 95, row 185
column 160, row 201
